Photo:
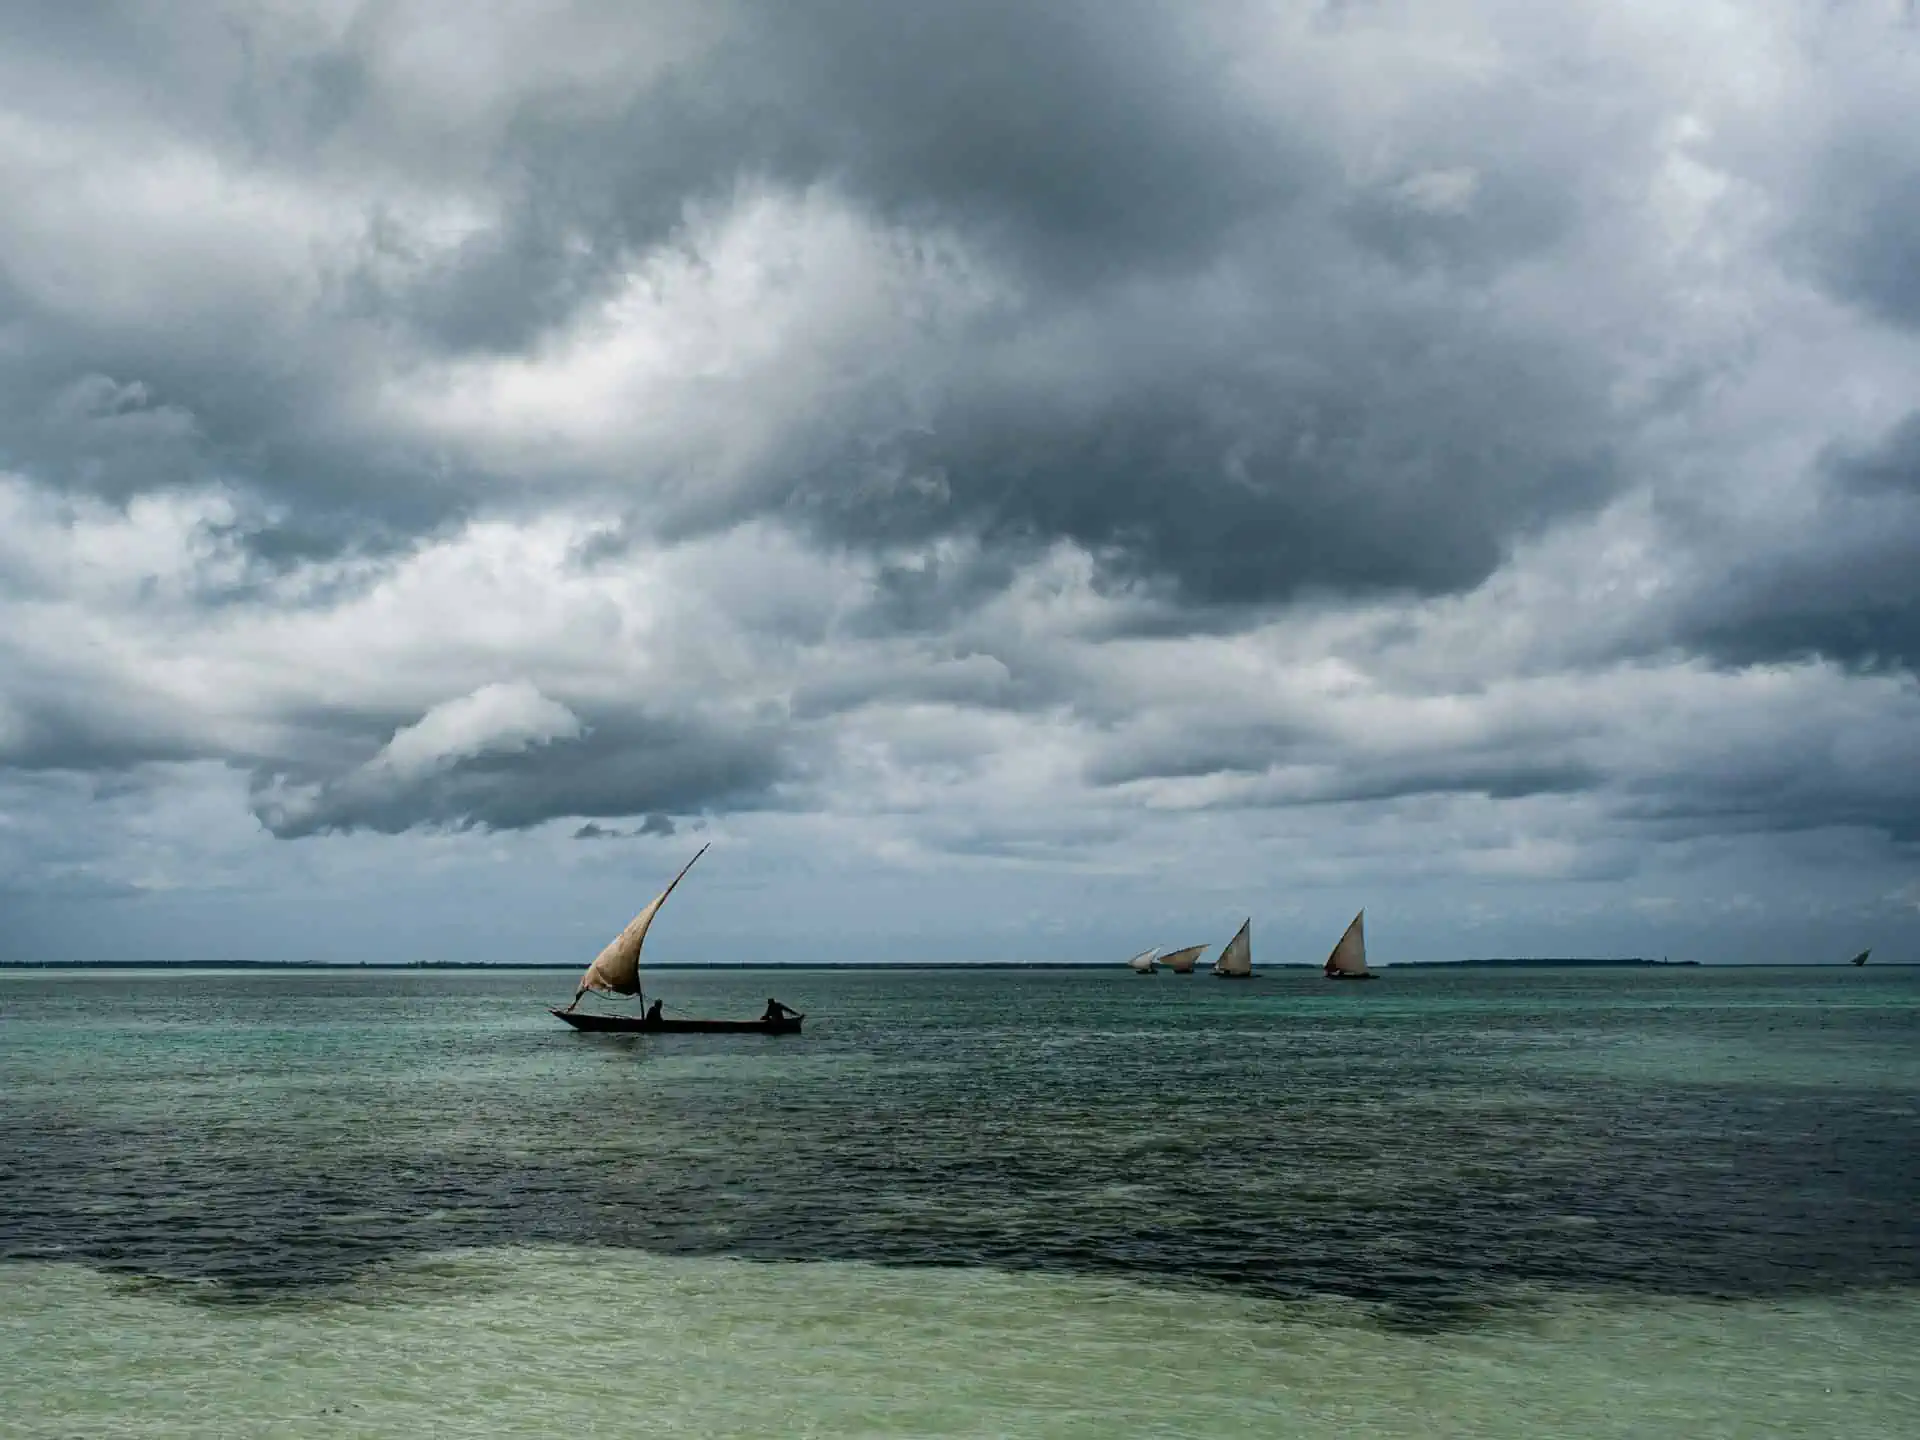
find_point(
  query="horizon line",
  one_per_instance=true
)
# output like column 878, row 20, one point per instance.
column 1468, row 962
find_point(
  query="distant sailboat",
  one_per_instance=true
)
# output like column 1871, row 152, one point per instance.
column 1181, row 962
column 1349, row 958
column 1236, row 961
column 616, row 971
column 1142, row 964
column 1861, row 958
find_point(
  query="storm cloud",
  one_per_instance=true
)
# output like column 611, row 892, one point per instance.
column 1049, row 437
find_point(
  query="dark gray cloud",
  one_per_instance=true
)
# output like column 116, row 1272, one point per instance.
column 1891, row 468
column 1269, row 414
column 1092, row 137
column 1327, row 778
column 1806, row 781
column 1841, row 583
column 1278, row 417
column 1398, row 457
column 93, row 732
column 653, row 825
column 1114, row 326
column 621, row 768
column 1861, row 227
column 1088, row 140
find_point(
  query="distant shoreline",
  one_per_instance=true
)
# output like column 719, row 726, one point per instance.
column 1498, row 963
column 1521, row 962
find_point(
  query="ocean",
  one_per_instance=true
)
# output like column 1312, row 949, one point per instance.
column 1650, row 1202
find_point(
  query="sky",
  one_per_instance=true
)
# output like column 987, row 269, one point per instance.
column 1023, row 481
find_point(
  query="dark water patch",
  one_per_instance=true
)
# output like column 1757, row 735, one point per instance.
column 1429, row 1149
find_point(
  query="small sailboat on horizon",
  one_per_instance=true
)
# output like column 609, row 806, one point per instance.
column 1349, row 958
column 1142, row 964
column 1236, row 961
column 1181, row 962
column 616, row 971
column 1861, row 958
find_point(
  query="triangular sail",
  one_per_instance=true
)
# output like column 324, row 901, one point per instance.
column 616, row 969
column 1142, row 964
column 1861, row 958
column 1349, row 957
column 1237, row 958
column 1181, row 961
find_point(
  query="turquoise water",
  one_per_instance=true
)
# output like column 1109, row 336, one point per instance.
column 1526, row 1203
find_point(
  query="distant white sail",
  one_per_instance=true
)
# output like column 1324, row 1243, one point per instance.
column 616, row 970
column 1181, row 962
column 1349, row 957
column 1237, row 959
column 1142, row 964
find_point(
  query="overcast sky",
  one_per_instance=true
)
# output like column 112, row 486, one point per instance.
column 1024, row 480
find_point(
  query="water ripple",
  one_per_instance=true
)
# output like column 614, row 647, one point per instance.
column 1459, row 1141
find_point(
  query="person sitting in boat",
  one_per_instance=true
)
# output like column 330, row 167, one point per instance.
column 776, row 1012
column 653, row 1013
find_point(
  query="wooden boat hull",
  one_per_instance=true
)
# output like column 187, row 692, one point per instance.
column 639, row 1025
column 1226, row 975
column 1336, row 975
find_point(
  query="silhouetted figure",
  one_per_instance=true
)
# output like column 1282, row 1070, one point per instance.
column 775, row 1011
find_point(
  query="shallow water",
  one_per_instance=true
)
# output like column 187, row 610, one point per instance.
column 517, row 1341
column 1516, row 1202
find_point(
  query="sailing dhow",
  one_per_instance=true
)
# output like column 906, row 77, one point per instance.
column 616, row 971
column 1861, row 958
column 1142, row 964
column 1236, row 961
column 1181, row 962
column 1349, row 958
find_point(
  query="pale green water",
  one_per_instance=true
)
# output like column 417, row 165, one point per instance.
column 562, row 1341
column 1534, row 1204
